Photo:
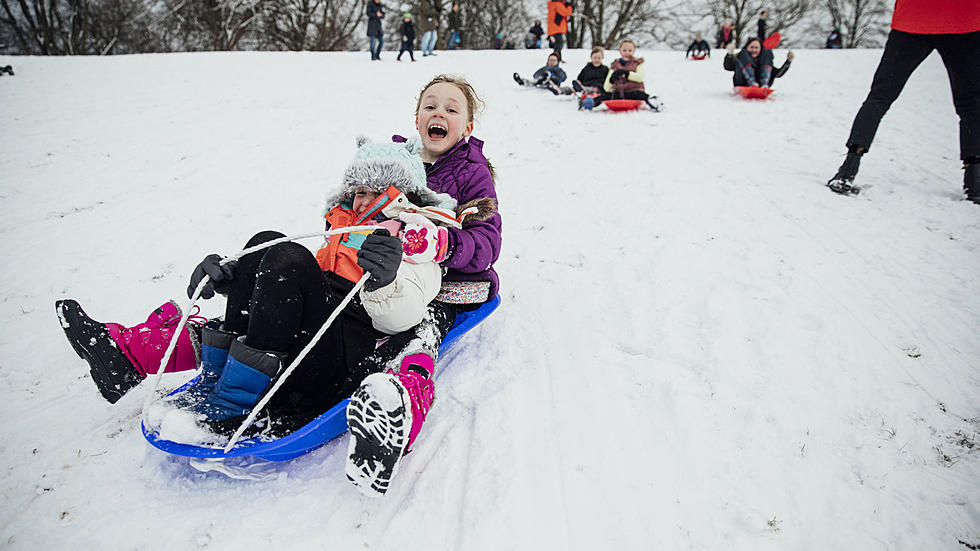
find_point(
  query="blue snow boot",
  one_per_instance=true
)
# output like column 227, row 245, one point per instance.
column 214, row 355
column 244, row 379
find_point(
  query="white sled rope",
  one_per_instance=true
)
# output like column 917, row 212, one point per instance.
column 282, row 378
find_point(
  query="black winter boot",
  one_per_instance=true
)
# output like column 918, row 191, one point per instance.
column 843, row 181
column 111, row 370
column 971, row 179
column 518, row 79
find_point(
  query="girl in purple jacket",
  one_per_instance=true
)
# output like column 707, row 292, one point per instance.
column 387, row 411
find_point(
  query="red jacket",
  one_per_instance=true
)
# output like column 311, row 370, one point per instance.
column 558, row 14
column 936, row 16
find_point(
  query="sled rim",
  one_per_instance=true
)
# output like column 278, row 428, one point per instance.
column 753, row 92
column 317, row 432
column 622, row 104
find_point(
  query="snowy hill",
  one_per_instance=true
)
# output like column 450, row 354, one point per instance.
column 700, row 346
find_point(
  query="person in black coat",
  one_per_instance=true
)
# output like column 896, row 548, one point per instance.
column 835, row 40
column 753, row 66
column 762, row 24
column 408, row 37
column 593, row 75
column 537, row 32
column 700, row 47
column 374, row 13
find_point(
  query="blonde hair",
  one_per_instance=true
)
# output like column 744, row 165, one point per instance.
column 473, row 101
column 627, row 41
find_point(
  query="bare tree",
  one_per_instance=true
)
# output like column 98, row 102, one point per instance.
column 608, row 22
column 311, row 24
column 782, row 14
column 212, row 24
column 482, row 22
column 862, row 22
column 74, row 27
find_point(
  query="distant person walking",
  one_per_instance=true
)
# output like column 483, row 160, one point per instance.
column 408, row 37
column 534, row 36
column 558, row 14
column 918, row 27
column 762, row 24
column 429, row 24
column 376, row 36
column 453, row 24
column 725, row 36
column 834, row 39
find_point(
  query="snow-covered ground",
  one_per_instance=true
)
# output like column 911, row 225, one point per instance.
column 700, row 346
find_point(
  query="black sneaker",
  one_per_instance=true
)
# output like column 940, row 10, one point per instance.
column 7, row 69
column 111, row 370
column 971, row 182
column 843, row 181
column 577, row 86
column 518, row 79
column 553, row 88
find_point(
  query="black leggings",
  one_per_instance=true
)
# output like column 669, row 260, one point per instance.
column 279, row 298
column 903, row 54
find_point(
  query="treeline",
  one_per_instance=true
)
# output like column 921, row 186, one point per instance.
column 102, row 27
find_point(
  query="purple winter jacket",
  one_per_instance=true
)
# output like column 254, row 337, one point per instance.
column 463, row 173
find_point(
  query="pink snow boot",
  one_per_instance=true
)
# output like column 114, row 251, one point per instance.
column 385, row 415
column 120, row 357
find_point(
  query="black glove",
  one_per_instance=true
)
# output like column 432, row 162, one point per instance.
column 221, row 276
column 380, row 254
column 619, row 74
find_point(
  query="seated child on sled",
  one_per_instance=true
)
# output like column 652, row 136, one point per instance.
column 550, row 76
column 381, row 187
column 592, row 77
column 699, row 48
column 279, row 297
column 753, row 66
column 624, row 81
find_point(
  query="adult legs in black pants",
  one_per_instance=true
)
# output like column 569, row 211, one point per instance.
column 904, row 52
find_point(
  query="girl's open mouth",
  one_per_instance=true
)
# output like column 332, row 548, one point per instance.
column 437, row 131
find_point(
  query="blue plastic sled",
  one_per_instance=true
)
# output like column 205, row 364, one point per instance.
column 317, row 432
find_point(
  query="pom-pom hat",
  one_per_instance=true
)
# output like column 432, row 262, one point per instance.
column 376, row 166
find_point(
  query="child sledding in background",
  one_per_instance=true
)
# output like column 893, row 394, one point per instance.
column 624, row 81
column 549, row 77
column 592, row 77
column 700, row 48
column 753, row 66
column 279, row 297
column 408, row 37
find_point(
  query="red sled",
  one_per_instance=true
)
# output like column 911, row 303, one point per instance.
column 698, row 57
column 753, row 92
column 623, row 104
column 772, row 41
